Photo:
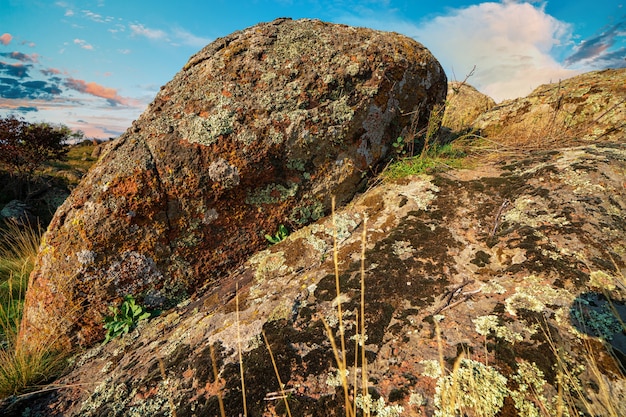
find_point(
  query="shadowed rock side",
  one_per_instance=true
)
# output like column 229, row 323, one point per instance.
column 591, row 106
column 507, row 259
column 260, row 128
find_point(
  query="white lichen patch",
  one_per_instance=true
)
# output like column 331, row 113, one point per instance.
column 86, row 257
column 421, row 191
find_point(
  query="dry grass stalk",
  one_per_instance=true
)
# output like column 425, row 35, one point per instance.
column 243, row 384
column 215, row 378
column 281, row 387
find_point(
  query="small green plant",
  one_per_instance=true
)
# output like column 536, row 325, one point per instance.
column 400, row 146
column 279, row 236
column 124, row 319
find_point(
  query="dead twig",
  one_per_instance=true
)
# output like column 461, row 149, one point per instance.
column 498, row 215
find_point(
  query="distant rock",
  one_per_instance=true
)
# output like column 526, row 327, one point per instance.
column 512, row 270
column 588, row 107
column 464, row 104
column 260, row 128
column 19, row 212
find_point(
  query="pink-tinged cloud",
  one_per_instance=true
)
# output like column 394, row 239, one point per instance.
column 50, row 71
column 5, row 38
column 95, row 89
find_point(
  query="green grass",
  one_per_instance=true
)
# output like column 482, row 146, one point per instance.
column 436, row 158
column 78, row 159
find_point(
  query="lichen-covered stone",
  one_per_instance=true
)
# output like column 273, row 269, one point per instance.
column 511, row 273
column 588, row 107
column 260, row 128
column 464, row 104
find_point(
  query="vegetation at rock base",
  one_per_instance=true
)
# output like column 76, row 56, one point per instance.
column 21, row 366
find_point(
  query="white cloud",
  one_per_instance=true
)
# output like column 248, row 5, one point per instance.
column 83, row 44
column 510, row 43
column 154, row 34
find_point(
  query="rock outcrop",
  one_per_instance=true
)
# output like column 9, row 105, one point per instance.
column 464, row 104
column 260, row 128
column 511, row 270
column 591, row 106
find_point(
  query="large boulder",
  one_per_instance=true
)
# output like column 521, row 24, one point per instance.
column 508, row 276
column 588, row 107
column 259, row 128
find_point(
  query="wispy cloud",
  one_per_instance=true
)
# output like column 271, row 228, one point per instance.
column 138, row 29
column 189, row 39
column 95, row 89
column 5, row 38
column 96, row 17
column 596, row 51
column 83, row 44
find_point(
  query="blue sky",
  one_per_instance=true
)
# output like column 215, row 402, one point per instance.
column 94, row 65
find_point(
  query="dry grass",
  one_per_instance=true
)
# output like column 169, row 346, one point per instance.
column 22, row 367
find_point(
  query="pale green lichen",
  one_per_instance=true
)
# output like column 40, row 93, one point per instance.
column 319, row 245
column 337, row 379
column 492, row 287
column 269, row 264
column 486, row 325
column 377, row 407
column 306, row 214
column 271, row 194
column 422, row 192
column 530, row 390
column 296, row 164
column 431, row 369
column 416, row 399
column 473, row 386
column 403, row 249
column 602, row 280
column 596, row 318
column 523, row 301
column 535, row 294
column 529, row 212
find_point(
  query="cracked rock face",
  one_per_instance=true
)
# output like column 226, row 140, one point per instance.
column 259, row 128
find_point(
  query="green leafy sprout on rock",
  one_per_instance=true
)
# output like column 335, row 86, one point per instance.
column 124, row 319
column 280, row 235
